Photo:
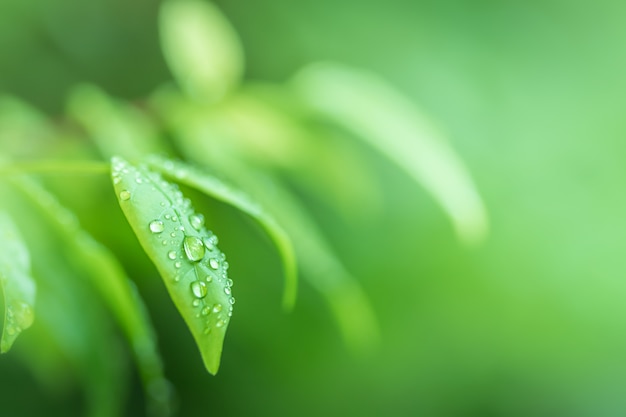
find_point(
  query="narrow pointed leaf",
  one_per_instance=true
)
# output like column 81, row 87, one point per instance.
column 16, row 281
column 201, row 48
column 383, row 117
column 221, row 191
column 183, row 250
column 109, row 279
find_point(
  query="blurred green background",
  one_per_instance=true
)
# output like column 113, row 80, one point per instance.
column 532, row 95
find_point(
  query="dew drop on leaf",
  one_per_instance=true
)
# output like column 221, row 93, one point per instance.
column 124, row 195
column 198, row 288
column 213, row 263
column 156, row 226
column 171, row 254
column 194, row 248
column 196, row 221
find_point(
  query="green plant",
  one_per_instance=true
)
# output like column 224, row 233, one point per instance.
column 205, row 133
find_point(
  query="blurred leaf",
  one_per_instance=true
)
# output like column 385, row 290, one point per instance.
column 201, row 48
column 383, row 117
column 17, row 284
column 323, row 269
column 262, row 128
column 70, row 318
column 109, row 279
column 184, row 252
column 212, row 186
column 117, row 128
column 23, row 130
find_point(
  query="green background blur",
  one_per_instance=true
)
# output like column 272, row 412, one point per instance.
column 531, row 323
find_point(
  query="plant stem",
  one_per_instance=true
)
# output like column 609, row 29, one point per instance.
column 55, row 167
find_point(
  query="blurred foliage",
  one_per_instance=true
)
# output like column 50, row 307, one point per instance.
column 531, row 323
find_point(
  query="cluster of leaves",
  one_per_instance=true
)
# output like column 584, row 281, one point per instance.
column 259, row 138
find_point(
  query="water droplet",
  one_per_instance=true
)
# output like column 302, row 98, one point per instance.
column 209, row 278
column 213, row 263
column 195, row 303
column 178, row 264
column 156, row 226
column 138, row 180
column 124, row 195
column 206, row 311
column 196, row 221
column 164, row 243
column 229, row 282
column 217, row 308
column 173, row 234
column 207, row 330
column 194, row 248
column 174, row 218
column 198, row 288
column 167, row 217
column 171, row 254
column 227, row 291
column 231, row 300
column 225, row 265
column 220, row 323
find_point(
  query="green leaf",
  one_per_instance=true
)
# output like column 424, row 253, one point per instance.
column 384, row 118
column 201, row 48
column 322, row 268
column 109, row 279
column 262, row 130
column 212, row 186
column 183, row 250
column 21, row 123
column 71, row 323
column 117, row 128
column 16, row 281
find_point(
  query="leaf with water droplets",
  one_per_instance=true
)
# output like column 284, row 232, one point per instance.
column 184, row 252
column 200, row 47
column 16, row 281
column 380, row 115
column 219, row 190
